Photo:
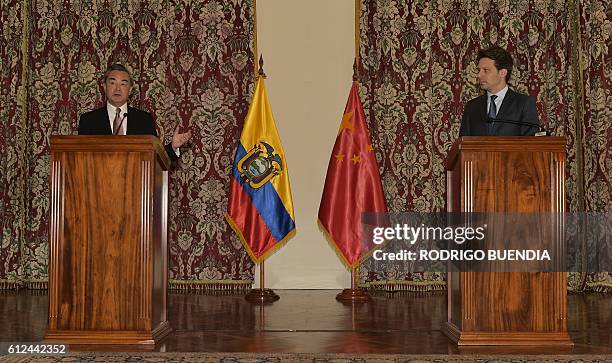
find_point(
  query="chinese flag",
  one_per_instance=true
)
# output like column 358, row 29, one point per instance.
column 352, row 185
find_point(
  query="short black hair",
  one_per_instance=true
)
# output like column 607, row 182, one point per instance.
column 117, row 67
column 500, row 56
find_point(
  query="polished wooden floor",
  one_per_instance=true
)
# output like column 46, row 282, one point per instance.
column 313, row 321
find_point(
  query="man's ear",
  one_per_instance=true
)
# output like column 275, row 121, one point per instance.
column 504, row 73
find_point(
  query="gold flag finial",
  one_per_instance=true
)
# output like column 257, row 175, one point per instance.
column 355, row 71
column 261, row 71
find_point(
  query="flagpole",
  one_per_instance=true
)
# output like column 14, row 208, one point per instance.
column 261, row 295
column 262, row 275
column 354, row 294
column 259, row 135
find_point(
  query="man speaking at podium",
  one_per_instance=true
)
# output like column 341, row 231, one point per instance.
column 117, row 118
column 501, row 111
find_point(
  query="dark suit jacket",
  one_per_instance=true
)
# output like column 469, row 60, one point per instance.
column 96, row 122
column 516, row 107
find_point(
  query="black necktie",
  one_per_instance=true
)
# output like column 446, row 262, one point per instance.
column 492, row 113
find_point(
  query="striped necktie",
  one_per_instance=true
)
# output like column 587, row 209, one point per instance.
column 117, row 122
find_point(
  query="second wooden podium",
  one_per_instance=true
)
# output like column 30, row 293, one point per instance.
column 508, row 174
column 108, row 240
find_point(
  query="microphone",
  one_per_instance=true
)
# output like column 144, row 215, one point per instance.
column 541, row 131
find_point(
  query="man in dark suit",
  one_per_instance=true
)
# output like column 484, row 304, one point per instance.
column 117, row 118
column 500, row 102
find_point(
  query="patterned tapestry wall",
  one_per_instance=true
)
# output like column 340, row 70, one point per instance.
column 192, row 62
column 193, row 66
column 13, row 116
column 418, row 70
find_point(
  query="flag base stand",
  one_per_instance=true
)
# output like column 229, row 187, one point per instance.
column 354, row 294
column 261, row 295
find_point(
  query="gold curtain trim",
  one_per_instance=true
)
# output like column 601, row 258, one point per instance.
column 10, row 285
column 407, row 286
column 210, row 285
column 34, row 284
column 228, row 285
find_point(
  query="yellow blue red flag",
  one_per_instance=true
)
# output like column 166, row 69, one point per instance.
column 260, row 208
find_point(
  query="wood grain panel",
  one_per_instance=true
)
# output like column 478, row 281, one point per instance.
column 483, row 186
column 103, row 251
column 510, row 302
column 523, row 182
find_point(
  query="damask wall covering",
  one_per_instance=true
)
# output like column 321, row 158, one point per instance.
column 193, row 66
column 418, row 70
column 192, row 62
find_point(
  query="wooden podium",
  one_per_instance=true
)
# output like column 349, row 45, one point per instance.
column 108, row 241
column 507, row 174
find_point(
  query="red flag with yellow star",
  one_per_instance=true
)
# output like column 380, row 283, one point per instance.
column 352, row 185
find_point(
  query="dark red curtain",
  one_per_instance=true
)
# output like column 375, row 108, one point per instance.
column 192, row 63
column 418, row 70
column 193, row 66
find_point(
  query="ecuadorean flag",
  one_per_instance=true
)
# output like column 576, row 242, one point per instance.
column 260, row 206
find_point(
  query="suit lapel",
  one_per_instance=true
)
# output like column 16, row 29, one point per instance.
column 506, row 104
column 483, row 114
column 502, row 113
column 103, row 117
column 131, row 122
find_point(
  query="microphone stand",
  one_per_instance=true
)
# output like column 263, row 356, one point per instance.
column 521, row 123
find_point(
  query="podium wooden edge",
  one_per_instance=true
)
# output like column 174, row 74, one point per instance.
column 503, row 143
column 102, row 143
column 105, row 337
column 540, row 339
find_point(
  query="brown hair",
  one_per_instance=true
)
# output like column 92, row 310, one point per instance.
column 501, row 58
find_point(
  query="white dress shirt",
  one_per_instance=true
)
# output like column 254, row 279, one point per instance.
column 112, row 111
column 498, row 101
